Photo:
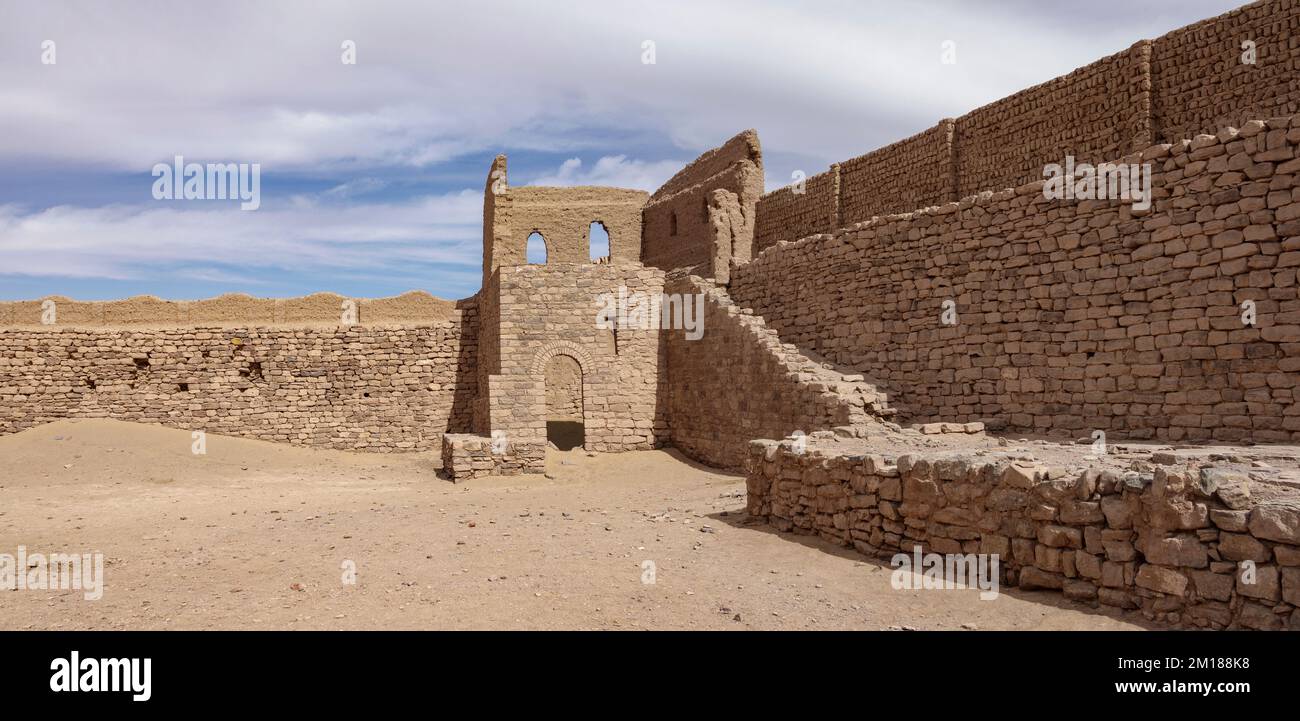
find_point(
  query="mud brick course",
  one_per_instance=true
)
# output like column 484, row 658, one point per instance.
column 1187, row 82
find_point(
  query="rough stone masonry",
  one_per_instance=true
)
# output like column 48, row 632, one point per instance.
column 825, row 310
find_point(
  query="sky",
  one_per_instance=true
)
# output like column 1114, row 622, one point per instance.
column 372, row 173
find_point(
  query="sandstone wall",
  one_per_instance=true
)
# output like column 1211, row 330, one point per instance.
column 550, row 310
column 369, row 388
column 1170, row 540
column 679, row 230
column 470, row 455
column 1072, row 315
column 737, row 382
column 1187, row 82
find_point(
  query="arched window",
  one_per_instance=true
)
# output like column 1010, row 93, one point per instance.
column 536, row 251
column 598, row 240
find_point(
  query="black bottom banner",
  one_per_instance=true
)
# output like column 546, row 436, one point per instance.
column 304, row 670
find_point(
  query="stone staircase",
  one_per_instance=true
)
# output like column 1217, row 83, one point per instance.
column 864, row 402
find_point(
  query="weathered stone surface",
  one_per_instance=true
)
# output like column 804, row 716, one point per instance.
column 1118, row 511
column 1163, row 580
column 1265, row 585
column 1177, row 551
column 1291, row 585
column 1235, row 521
column 1060, row 536
column 1276, row 523
column 1032, row 578
column 1216, row 586
column 1242, row 547
column 1230, row 485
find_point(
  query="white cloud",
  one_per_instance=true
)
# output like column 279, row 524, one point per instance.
column 263, row 82
column 259, row 82
column 353, row 188
column 616, row 171
column 134, row 241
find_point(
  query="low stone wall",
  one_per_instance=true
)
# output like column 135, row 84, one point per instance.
column 376, row 389
column 468, row 455
column 1175, row 541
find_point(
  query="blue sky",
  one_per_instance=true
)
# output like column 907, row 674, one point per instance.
column 372, row 173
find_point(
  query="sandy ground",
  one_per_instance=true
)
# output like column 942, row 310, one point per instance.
column 254, row 535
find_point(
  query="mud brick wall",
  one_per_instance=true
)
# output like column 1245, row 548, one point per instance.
column 909, row 174
column 784, row 214
column 1187, row 82
column 368, row 388
column 737, row 382
column 1092, row 113
column 679, row 230
column 1165, row 539
column 1072, row 315
column 1200, row 84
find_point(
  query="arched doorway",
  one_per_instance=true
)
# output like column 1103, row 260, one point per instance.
column 564, row 425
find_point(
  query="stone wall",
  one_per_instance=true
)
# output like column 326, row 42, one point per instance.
column 1172, row 540
column 369, row 388
column 469, row 455
column 686, row 224
column 1072, row 315
column 1187, row 82
column 549, row 310
column 737, row 382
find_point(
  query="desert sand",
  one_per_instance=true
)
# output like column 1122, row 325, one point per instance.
column 254, row 535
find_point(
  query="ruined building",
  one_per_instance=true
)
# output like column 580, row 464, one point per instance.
column 929, row 283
